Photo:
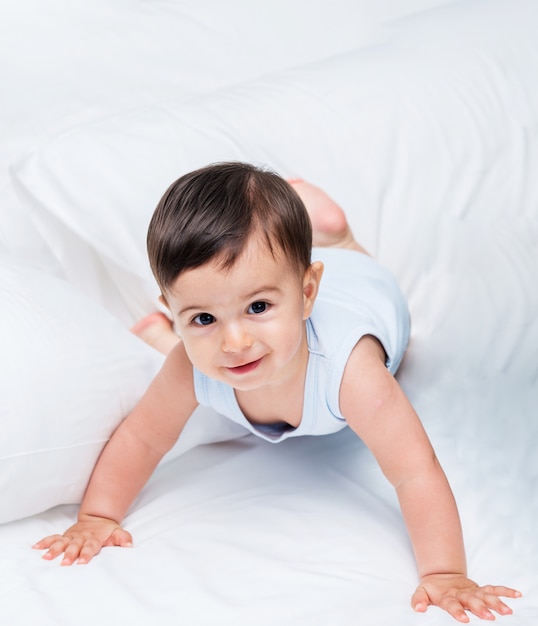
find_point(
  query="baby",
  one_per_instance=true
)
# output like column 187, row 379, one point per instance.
column 287, row 341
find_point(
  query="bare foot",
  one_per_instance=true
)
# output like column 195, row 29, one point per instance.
column 157, row 331
column 329, row 222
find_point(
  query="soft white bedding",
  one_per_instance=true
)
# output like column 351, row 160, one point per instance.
column 421, row 119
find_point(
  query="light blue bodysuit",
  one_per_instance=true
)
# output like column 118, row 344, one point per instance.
column 357, row 297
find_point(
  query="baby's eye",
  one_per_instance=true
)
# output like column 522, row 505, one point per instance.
column 258, row 307
column 204, row 319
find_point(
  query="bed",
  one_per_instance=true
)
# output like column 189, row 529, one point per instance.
column 420, row 117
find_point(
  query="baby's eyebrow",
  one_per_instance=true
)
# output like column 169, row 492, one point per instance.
column 191, row 307
column 262, row 290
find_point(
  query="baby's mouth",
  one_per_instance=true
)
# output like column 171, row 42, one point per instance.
column 246, row 367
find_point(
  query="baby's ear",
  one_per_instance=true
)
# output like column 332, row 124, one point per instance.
column 311, row 282
column 163, row 301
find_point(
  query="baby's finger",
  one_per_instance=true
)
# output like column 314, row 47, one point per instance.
column 501, row 590
column 91, row 548
column 56, row 548
column 121, row 538
column 493, row 601
column 454, row 608
column 72, row 551
column 46, row 542
column 477, row 605
column 420, row 600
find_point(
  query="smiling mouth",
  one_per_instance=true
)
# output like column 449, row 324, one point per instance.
column 247, row 367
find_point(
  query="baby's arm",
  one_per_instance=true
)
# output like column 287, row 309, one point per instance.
column 378, row 411
column 127, row 462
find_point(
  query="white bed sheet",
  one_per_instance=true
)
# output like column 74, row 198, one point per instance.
column 421, row 117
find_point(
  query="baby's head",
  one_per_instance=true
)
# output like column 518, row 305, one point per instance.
column 211, row 213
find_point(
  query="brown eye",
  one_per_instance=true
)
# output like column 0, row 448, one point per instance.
column 204, row 319
column 257, row 307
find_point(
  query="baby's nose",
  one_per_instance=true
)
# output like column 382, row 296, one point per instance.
column 236, row 338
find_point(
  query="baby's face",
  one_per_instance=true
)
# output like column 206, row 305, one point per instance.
column 245, row 325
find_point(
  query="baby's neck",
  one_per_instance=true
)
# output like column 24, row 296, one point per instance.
column 277, row 403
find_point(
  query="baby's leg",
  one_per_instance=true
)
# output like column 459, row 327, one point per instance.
column 157, row 331
column 329, row 223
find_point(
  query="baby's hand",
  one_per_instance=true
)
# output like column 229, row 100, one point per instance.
column 456, row 594
column 84, row 540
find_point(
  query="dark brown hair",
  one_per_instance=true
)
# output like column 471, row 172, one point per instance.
column 211, row 212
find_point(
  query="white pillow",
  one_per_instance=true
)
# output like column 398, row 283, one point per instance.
column 411, row 137
column 402, row 134
column 129, row 70
column 69, row 373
